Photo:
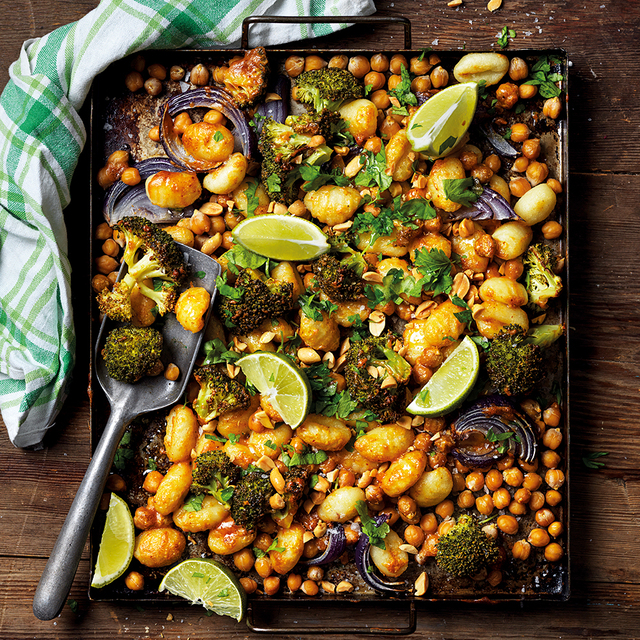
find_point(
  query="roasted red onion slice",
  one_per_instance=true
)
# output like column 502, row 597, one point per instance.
column 122, row 200
column 490, row 205
column 494, row 416
column 499, row 143
column 368, row 571
column 277, row 110
column 211, row 98
column 335, row 547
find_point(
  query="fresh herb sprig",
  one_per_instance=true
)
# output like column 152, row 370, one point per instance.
column 591, row 459
column 376, row 532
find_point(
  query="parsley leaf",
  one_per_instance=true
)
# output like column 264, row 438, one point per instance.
column 217, row 353
column 374, row 172
column 313, row 308
column 463, row 316
column 123, row 454
column 503, row 37
column 376, row 532
column 314, row 178
column 541, row 75
column 435, row 268
column 591, row 462
column 227, row 290
column 218, row 137
column 194, row 503
column 502, row 439
column 402, row 90
column 459, row 190
column 253, row 202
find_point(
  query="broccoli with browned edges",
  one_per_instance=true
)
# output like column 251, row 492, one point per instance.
column 215, row 474
column 327, row 88
column 541, row 282
column 218, row 393
column 131, row 353
column 151, row 254
column 377, row 377
column 466, row 549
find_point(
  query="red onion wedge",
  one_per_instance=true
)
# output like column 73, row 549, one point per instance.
column 122, row 200
column 211, row 98
column 490, row 205
column 367, row 570
column 335, row 547
column 499, row 143
column 491, row 429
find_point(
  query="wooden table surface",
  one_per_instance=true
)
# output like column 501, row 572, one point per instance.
column 601, row 37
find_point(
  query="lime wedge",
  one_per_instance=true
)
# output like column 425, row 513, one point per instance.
column 450, row 384
column 281, row 237
column 116, row 545
column 281, row 382
column 438, row 126
column 208, row 583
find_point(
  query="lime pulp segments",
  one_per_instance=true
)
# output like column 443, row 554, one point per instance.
column 281, row 237
column 438, row 126
column 280, row 381
column 450, row 384
column 209, row 583
column 117, row 544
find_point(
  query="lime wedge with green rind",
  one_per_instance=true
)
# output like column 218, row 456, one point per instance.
column 281, row 237
column 281, row 382
column 450, row 384
column 209, row 583
column 117, row 544
column 438, row 127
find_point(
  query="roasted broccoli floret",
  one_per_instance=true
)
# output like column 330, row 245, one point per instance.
column 327, row 88
column 514, row 364
column 245, row 78
column 541, row 282
column 377, row 377
column 250, row 500
column 466, row 549
column 150, row 253
column 218, row 393
column 215, row 474
column 132, row 352
column 255, row 298
column 340, row 279
column 311, row 123
column 279, row 145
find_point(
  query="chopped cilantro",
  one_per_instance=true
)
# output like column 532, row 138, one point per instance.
column 217, row 353
column 503, row 37
column 194, row 503
column 402, row 90
column 376, row 532
column 313, row 308
column 591, row 459
column 463, row 316
column 253, row 202
column 374, row 172
column 314, row 178
column 460, row 190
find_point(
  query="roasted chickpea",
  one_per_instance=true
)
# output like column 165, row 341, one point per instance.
column 134, row 81
column 375, row 80
column 249, row 585
column 513, row 476
column 394, row 81
column 106, row 264
column 176, row 73
column 507, row 95
column 153, row 86
column 359, row 66
column 507, row 524
column 294, row 581
column 100, row 282
column 379, row 62
column 309, row 588
column 381, row 99
column 484, row 504
column 429, row 523
column 131, row 176
column 271, row 585
column 520, row 132
column 311, row 63
column 414, row 535
column 199, row 75
column 158, row 71
column 263, row 567
column 154, row 134
column 521, row 550
column 419, row 65
column 439, row 78
column 527, row 91
column 134, row 581
column 493, row 480
column 519, row 186
column 468, row 159
column 501, row 498
column 522, row 496
column 537, row 500
column 294, row 66
column 493, row 162
column 532, row 481
column 517, row 508
column 538, row 538
column 537, row 172
column 138, row 63
column 552, row 107
column 397, row 62
column 553, row 497
column 421, row 84
column 474, row 481
column 389, row 128
column 553, row 552
column 520, row 164
column 554, row 478
column 444, row 509
column 518, row 69
column 244, row 559
column 552, row 438
column 339, row 62
column 466, row 499
column 531, row 148
column 482, row 173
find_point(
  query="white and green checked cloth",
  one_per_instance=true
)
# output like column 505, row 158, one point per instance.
column 41, row 136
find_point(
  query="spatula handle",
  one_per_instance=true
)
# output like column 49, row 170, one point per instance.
column 62, row 565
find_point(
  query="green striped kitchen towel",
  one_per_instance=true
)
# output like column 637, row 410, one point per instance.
column 41, row 136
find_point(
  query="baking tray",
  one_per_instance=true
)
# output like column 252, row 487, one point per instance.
column 121, row 120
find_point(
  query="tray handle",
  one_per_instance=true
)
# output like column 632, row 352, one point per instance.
column 370, row 630
column 371, row 20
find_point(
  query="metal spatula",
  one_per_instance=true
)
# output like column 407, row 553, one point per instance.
column 127, row 402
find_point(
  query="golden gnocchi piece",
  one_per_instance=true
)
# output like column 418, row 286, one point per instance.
column 361, row 117
column 432, row 487
column 159, row 547
column 340, row 505
column 383, row 444
column 173, row 189
column 192, row 307
column 331, row 204
column 449, row 168
column 324, row 432
column 207, row 141
column 391, row 561
column 209, row 516
column 475, row 67
column 229, row 537
column 227, row 177
column 181, row 434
